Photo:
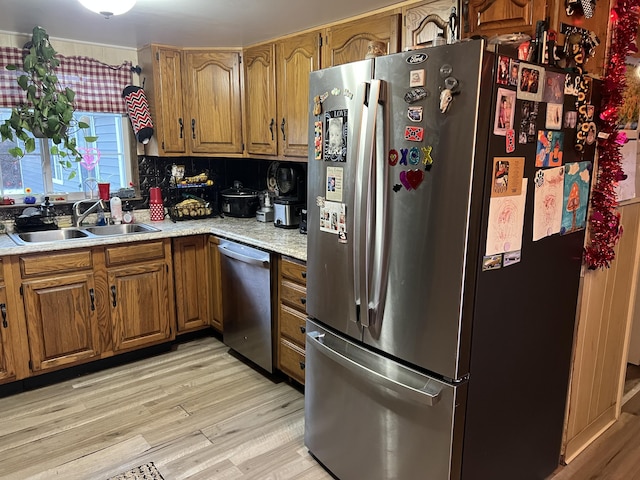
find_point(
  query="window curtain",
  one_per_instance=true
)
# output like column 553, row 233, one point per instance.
column 98, row 86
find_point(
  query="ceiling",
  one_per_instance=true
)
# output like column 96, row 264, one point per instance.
column 185, row 23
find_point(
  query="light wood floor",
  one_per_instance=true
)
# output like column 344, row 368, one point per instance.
column 199, row 413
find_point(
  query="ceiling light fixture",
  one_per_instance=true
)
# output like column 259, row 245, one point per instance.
column 107, row 8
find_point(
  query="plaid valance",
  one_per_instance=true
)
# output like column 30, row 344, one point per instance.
column 98, row 86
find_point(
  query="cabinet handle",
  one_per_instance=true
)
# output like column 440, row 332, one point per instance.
column 3, row 309
column 304, row 274
column 303, row 330
column 282, row 129
column 271, row 125
column 181, row 123
column 193, row 128
column 465, row 16
column 92, row 296
column 113, row 295
column 301, row 365
column 303, row 300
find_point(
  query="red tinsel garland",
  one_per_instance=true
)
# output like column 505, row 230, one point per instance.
column 604, row 222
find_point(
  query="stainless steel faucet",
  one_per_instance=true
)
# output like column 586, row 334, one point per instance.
column 79, row 217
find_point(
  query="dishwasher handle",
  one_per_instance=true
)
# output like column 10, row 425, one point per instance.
column 261, row 260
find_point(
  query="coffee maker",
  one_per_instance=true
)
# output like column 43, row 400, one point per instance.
column 291, row 187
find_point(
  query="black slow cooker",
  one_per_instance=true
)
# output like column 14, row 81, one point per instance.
column 239, row 201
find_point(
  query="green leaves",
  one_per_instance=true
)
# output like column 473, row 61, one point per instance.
column 49, row 109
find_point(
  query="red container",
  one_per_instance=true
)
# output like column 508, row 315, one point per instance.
column 103, row 191
column 156, row 206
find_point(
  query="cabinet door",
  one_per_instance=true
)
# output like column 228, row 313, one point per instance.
column 348, row 42
column 423, row 22
column 190, row 270
column 213, row 98
column 169, row 118
column 61, row 320
column 497, row 17
column 7, row 371
column 260, row 99
column 215, row 281
column 296, row 58
column 138, row 296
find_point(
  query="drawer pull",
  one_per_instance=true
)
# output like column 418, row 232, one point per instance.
column 303, row 330
column 301, row 365
column 3, row 309
column 303, row 300
column 304, row 274
column 113, row 295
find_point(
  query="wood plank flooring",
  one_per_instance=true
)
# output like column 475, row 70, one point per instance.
column 199, row 413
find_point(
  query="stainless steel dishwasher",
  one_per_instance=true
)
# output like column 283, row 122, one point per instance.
column 246, row 302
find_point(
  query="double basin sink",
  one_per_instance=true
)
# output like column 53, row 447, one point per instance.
column 66, row 234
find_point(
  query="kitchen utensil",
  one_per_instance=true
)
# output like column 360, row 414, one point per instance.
column 239, row 201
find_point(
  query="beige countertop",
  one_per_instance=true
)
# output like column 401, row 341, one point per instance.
column 289, row 242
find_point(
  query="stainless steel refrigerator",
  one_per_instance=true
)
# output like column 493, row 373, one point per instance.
column 424, row 360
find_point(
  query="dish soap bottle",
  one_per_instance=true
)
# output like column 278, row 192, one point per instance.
column 115, row 205
column 101, row 220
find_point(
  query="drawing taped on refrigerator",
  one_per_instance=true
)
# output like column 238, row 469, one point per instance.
column 440, row 307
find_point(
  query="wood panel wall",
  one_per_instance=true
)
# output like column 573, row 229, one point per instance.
column 599, row 366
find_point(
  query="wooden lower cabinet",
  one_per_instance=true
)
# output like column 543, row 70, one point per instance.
column 86, row 304
column 292, row 293
column 191, row 278
column 215, row 285
column 140, row 312
column 7, row 369
column 61, row 320
column 140, row 294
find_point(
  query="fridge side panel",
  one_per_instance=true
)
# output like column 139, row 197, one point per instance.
column 429, row 225
column 522, row 338
column 331, row 178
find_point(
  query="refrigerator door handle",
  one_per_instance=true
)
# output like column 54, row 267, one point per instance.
column 365, row 221
column 378, row 216
column 360, row 206
column 422, row 397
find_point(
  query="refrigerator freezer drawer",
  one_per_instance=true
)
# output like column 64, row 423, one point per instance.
column 369, row 417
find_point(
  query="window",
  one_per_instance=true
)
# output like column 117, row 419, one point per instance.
column 107, row 160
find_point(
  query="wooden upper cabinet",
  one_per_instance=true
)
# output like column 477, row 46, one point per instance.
column 424, row 21
column 213, row 101
column 260, row 99
column 296, row 57
column 164, row 93
column 194, row 100
column 497, row 17
column 348, row 42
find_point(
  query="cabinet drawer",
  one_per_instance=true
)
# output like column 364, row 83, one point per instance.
column 136, row 252
column 293, row 295
column 292, row 324
column 55, row 263
column 292, row 360
column 295, row 271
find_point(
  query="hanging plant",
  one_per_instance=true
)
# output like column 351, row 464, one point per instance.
column 48, row 110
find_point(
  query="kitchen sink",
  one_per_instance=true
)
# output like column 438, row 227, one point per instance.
column 66, row 234
column 49, row 235
column 122, row 229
